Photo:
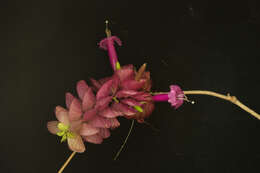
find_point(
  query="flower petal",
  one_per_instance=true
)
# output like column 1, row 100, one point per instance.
column 104, row 80
column 126, row 93
column 142, row 96
column 76, row 144
column 117, row 40
column 175, row 96
column 103, row 103
column 53, row 127
column 124, row 109
column 69, row 99
column 132, row 84
column 125, row 73
column 75, row 110
column 131, row 102
column 104, row 133
column 95, row 139
column 90, row 114
column 114, row 123
column 109, row 113
column 75, row 125
column 82, row 88
column 105, row 90
column 88, row 100
column 100, row 122
column 62, row 115
column 95, row 84
column 87, row 130
column 103, row 44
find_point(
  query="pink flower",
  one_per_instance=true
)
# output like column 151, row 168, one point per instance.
column 82, row 120
column 77, row 109
column 108, row 44
column 68, row 128
column 175, row 96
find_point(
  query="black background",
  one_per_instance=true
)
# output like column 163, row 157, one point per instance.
column 47, row 46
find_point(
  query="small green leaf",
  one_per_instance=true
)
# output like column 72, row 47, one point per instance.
column 138, row 108
column 63, row 127
column 61, row 133
column 117, row 65
column 64, row 137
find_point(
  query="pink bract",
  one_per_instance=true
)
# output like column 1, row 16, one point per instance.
column 94, row 114
column 123, row 92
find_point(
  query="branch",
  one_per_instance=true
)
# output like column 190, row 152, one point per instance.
column 227, row 97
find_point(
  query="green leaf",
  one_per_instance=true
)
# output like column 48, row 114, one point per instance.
column 63, row 127
column 138, row 108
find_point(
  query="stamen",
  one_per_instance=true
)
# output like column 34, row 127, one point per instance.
column 108, row 32
column 184, row 97
column 106, row 22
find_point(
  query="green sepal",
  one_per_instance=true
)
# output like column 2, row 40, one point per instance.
column 70, row 135
column 61, row 133
column 64, row 137
column 138, row 108
column 118, row 65
column 63, row 127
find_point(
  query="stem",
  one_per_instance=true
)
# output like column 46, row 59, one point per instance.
column 227, row 97
column 122, row 146
column 67, row 162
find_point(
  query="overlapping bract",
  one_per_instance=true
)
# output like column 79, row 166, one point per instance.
column 91, row 116
column 126, row 90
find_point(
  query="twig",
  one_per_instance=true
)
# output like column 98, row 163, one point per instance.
column 66, row 163
column 227, row 97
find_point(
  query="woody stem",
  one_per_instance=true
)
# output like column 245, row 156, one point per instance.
column 227, row 97
column 67, row 162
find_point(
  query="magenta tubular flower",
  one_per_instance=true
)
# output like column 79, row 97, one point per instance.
column 108, row 44
column 175, row 96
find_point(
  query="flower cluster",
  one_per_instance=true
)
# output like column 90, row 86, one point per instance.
column 90, row 116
